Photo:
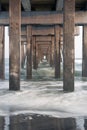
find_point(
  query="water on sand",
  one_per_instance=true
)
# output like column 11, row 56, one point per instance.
column 43, row 96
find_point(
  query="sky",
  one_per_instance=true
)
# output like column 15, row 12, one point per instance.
column 78, row 44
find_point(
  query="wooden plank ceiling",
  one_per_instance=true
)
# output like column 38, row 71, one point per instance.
column 43, row 5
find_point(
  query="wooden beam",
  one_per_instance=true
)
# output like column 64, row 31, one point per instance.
column 43, row 38
column 43, row 31
column 59, row 5
column 40, row 31
column 26, row 5
column 43, row 34
column 44, row 43
column 44, row 18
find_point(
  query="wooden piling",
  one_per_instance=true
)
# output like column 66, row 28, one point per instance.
column 57, row 51
column 2, row 62
column 14, row 45
column 34, row 52
column 29, row 52
column 68, row 49
column 84, row 59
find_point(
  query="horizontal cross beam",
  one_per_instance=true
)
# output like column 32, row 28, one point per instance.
column 44, row 18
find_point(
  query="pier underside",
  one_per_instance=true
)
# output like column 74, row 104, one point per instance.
column 42, row 28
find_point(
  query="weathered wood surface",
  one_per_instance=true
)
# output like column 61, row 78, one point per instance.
column 14, row 43
column 68, row 46
column 44, row 18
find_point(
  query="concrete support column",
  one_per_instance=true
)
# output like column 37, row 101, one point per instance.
column 84, row 59
column 57, row 51
column 14, row 39
column 2, row 65
column 29, row 52
column 68, row 49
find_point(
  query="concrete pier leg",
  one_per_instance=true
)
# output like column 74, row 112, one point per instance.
column 29, row 52
column 2, row 63
column 14, row 39
column 84, row 59
column 57, row 52
column 68, row 49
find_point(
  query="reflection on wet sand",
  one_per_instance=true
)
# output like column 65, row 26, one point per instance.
column 1, row 123
column 41, row 122
column 85, row 124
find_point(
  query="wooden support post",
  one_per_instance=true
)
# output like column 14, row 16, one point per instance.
column 68, row 49
column 2, row 66
column 29, row 52
column 57, row 52
column 52, row 40
column 22, row 55
column 34, row 52
column 84, row 59
column 51, row 55
column 36, row 56
column 14, row 38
